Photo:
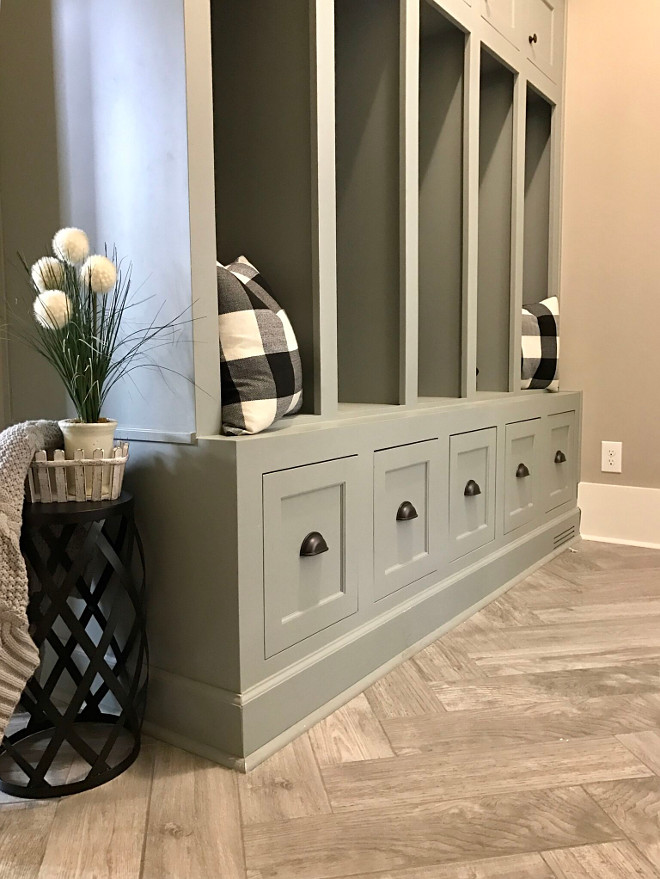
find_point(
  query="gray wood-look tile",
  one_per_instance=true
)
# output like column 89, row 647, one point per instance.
column 287, row 785
column 408, row 781
column 389, row 838
column 512, row 867
column 403, row 692
column 523, row 744
column 544, row 721
column 646, row 746
column 194, row 827
column 634, row 806
column 613, row 860
column 516, row 691
column 352, row 733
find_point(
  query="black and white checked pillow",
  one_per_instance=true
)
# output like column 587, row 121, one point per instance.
column 540, row 345
column 260, row 369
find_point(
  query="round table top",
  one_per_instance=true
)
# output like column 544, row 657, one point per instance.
column 75, row 511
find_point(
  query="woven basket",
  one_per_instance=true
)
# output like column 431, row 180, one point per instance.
column 56, row 480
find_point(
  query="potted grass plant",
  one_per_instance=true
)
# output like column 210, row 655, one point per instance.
column 80, row 306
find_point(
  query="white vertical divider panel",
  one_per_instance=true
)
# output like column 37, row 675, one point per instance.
column 517, row 227
column 324, row 206
column 409, row 147
column 199, row 110
column 471, row 216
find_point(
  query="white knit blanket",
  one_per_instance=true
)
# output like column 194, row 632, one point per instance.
column 18, row 655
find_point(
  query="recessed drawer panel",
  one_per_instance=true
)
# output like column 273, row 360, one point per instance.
column 310, row 550
column 472, row 490
column 542, row 35
column 502, row 15
column 406, row 501
column 561, row 460
column 522, row 477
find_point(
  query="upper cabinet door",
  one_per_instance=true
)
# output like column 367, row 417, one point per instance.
column 502, row 15
column 544, row 35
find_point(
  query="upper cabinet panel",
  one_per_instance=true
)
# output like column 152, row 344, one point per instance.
column 502, row 14
column 544, row 35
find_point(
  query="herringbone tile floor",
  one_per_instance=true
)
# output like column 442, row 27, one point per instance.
column 524, row 744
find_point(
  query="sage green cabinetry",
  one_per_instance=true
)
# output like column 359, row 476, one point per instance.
column 393, row 169
column 472, row 490
column 311, row 557
column 561, row 459
column 523, row 476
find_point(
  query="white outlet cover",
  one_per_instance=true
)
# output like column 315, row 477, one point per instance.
column 611, row 459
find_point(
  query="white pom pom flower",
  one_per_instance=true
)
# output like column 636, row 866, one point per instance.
column 52, row 309
column 71, row 245
column 47, row 273
column 99, row 273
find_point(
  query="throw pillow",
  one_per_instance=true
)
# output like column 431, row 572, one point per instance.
column 260, row 369
column 540, row 345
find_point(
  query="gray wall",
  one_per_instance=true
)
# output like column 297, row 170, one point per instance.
column 368, row 111
column 537, row 198
column 495, row 183
column 440, row 205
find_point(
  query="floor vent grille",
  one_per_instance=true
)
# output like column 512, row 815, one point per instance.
column 564, row 536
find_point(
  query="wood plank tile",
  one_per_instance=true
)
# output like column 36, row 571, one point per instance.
column 634, row 806
column 100, row 832
column 287, row 785
column 409, row 781
column 23, row 839
column 352, row 733
column 612, row 860
column 576, row 561
column 646, row 746
column 457, row 731
column 194, row 821
column 403, row 692
column 445, row 660
column 543, row 590
column 508, row 611
column 552, row 647
column 513, row 691
column 616, row 585
column 514, row 867
column 613, row 610
column 526, row 661
column 568, row 638
column 391, row 839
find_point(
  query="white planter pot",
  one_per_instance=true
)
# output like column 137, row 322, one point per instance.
column 88, row 437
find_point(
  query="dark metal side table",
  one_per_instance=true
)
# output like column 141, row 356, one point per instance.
column 85, row 704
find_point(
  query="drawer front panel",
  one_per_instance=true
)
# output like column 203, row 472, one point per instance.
column 542, row 35
column 406, row 502
column 561, row 460
column 472, row 490
column 521, row 479
column 309, row 510
column 502, row 15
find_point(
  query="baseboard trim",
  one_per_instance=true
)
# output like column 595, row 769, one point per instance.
column 626, row 514
column 240, row 731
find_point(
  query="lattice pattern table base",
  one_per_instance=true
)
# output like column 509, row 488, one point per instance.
column 86, row 702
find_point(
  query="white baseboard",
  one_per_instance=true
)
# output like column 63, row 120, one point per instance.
column 620, row 514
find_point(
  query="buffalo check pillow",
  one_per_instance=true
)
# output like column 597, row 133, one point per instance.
column 540, row 345
column 261, row 374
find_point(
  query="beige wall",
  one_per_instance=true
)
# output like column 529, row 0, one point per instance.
column 611, row 233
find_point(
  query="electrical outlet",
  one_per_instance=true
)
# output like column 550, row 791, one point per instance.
column 611, row 455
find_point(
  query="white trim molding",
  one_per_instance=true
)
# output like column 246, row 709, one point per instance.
column 620, row 514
